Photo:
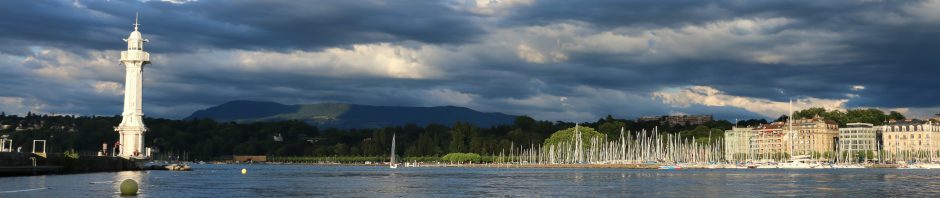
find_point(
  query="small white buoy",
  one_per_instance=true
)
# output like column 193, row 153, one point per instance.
column 129, row 187
column 244, row 171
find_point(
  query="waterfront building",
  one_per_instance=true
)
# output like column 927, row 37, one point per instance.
column 738, row 143
column 768, row 141
column 911, row 140
column 132, row 129
column 859, row 137
column 684, row 120
column 814, row 136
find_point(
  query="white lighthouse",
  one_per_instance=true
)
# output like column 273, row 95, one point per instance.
column 132, row 129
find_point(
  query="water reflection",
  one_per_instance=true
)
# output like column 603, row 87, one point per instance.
column 314, row 181
column 38, row 183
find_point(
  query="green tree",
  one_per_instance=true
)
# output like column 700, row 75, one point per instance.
column 751, row 122
column 809, row 113
column 462, row 157
column 518, row 136
column 370, row 147
column 568, row 136
column 461, row 137
column 611, row 129
column 871, row 116
column 894, row 115
column 525, row 123
column 323, row 151
column 837, row 116
column 341, row 149
column 245, row 148
column 478, row 144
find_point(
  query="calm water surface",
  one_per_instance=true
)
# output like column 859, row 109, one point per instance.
column 351, row 181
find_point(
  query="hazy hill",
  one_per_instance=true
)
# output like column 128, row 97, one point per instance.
column 342, row 115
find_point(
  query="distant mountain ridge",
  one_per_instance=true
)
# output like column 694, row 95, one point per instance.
column 342, row 115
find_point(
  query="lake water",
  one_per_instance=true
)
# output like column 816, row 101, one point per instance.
column 360, row 181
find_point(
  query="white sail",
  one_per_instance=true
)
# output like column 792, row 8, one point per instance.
column 391, row 163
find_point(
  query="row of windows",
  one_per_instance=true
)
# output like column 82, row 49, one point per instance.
column 816, row 131
column 857, row 142
column 919, row 143
column 857, row 147
column 910, row 128
column 857, row 135
column 904, row 137
column 854, row 132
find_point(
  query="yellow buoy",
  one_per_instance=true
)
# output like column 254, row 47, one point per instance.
column 129, row 187
column 244, row 171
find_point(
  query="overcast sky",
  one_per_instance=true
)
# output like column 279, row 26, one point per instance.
column 553, row 60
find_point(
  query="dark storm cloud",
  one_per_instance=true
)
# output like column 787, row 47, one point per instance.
column 270, row 25
column 905, row 71
column 825, row 48
column 343, row 22
column 616, row 13
column 895, row 58
column 54, row 23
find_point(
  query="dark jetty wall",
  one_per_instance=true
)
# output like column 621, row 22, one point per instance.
column 82, row 164
column 86, row 164
column 15, row 159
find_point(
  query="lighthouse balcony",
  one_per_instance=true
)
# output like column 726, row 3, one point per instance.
column 135, row 55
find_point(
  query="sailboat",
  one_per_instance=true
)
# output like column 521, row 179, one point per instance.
column 391, row 163
column 795, row 161
column 798, row 162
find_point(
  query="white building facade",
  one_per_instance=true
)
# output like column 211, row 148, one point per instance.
column 738, row 144
column 911, row 141
column 859, row 137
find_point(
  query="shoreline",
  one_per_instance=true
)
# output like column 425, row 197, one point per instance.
column 552, row 166
column 609, row 166
column 615, row 166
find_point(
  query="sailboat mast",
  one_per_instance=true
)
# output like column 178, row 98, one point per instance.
column 790, row 130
